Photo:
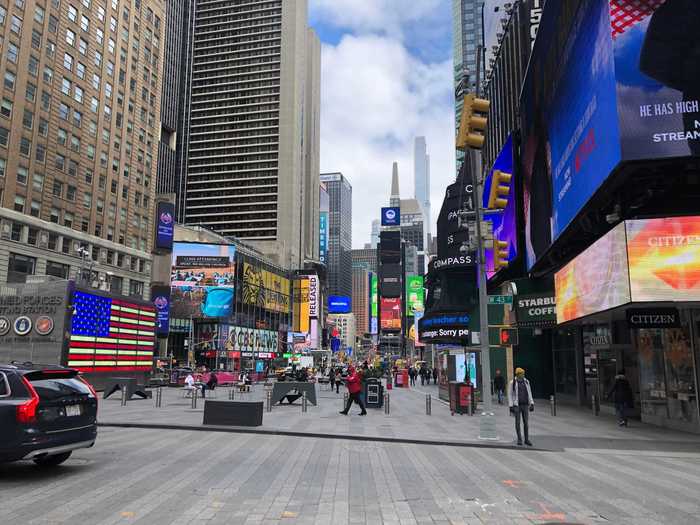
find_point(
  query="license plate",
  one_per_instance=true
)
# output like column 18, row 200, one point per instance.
column 73, row 410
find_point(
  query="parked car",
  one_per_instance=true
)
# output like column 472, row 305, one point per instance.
column 46, row 412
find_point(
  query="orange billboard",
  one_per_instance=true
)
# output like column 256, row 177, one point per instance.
column 664, row 259
column 596, row 280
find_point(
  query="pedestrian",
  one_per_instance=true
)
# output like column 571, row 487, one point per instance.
column 499, row 385
column 422, row 376
column 435, row 375
column 521, row 403
column 622, row 396
column 331, row 378
column 354, row 385
column 338, row 380
column 211, row 384
column 428, row 375
column 411, row 376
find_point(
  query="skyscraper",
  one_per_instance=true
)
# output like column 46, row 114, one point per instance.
column 421, row 177
column 376, row 228
column 79, row 127
column 339, row 259
column 412, row 218
column 254, row 126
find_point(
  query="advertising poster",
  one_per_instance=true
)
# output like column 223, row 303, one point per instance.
column 202, row 280
column 251, row 341
column 596, row 280
column 300, row 311
column 390, row 313
column 417, row 317
column 414, row 294
column 300, row 341
column 314, row 296
column 504, row 223
column 165, row 225
column 465, row 367
column 265, row 289
column 658, row 77
column 664, row 259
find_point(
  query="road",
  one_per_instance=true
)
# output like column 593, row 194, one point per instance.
column 142, row 476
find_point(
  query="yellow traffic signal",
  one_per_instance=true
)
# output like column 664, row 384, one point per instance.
column 473, row 122
column 500, row 254
column 500, row 188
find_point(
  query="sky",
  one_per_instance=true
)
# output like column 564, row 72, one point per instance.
column 386, row 78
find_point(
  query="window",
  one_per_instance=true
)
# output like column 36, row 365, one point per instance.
column 80, row 70
column 45, row 100
column 32, row 236
column 112, row 24
column 68, row 61
column 70, row 193
column 57, row 190
column 19, row 267
column 75, row 144
column 3, row 167
column 63, row 111
column 25, row 147
column 113, row 187
column 90, row 152
column 87, row 200
column 72, row 168
column 96, row 81
column 40, row 153
column 22, row 175
column 12, row 52
column 94, row 104
column 3, row 14
column 98, row 59
column 66, row 86
column 111, row 45
column 53, row 243
column 16, row 24
column 102, row 182
column 48, row 75
column 60, row 162
column 83, row 47
column 99, row 36
column 77, row 117
column 4, row 136
column 53, row 26
column 54, row 217
column 72, row 13
column 62, row 136
column 19, row 206
column 39, row 14
column 100, row 206
column 84, row 23
column 10, row 80
column 85, row 226
column 37, row 181
column 16, row 233
column 6, row 108
column 35, row 210
column 108, row 90
column 30, row 93
column 36, row 40
column 33, row 66
column 62, row 271
column 88, row 176
column 86, row 3
column 68, row 219
column 70, row 37
column 78, row 96
column 43, row 127
column 110, row 68
column 135, row 288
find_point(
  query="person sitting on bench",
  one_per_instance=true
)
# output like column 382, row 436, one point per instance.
column 189, row 385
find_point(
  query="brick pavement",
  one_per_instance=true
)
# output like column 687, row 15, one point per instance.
column 571, row 428
column 140, row 476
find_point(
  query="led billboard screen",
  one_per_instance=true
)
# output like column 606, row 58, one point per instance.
column 339, row 304
column 414, row 294
column 265, row 289
column 202, row 280
column 596, row 280
column 390, row 313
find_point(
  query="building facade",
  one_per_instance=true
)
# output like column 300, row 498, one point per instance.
column 339, row 260
column 79, row 129
column 345, row 324
column 360, row 299
column 254, row 126
column 365, row 258
column 421, row 178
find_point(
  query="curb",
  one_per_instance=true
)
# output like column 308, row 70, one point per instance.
column 347, row 437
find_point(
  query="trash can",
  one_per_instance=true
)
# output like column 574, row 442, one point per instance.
column 460, row 397
column 374, row 393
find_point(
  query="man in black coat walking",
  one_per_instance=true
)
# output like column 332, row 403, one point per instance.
column 623, row 397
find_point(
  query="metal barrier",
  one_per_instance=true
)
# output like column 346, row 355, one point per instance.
column 428, row 405
column 304, row 403
column 195, row 393
column 553, row 405
column 268, row 399
column 387, row 408
column 159, row 397
column 124, row 395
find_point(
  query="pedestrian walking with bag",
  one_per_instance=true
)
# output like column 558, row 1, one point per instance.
column 354, row 385
column 521, row 404
column 623, row 397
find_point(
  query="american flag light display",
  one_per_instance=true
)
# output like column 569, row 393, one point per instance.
column 111, row 334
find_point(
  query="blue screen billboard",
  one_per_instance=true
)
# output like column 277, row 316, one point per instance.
column 504, row 223
column 165, row 225
column 608, row 81
column 339, row 304
column 391, row 216
column 323, row 236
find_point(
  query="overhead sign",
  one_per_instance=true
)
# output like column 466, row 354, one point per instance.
column 165, row 225
column 500, row 299
column 314, row 296
column 391, row 216
column 653, row 318
column 536, row 309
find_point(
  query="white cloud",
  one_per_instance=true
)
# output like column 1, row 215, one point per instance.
column 376, row 97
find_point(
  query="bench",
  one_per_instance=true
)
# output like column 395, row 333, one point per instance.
column 233, row 413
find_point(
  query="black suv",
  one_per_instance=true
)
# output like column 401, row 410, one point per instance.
column 46, row 412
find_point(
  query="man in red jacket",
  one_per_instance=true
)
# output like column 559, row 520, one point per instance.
column 354, row 384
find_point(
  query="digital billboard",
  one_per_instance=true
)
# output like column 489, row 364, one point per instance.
column 414, row 294
column 165, row 225
column 373, row 302
column 202, row 280
column 608, row 81
column 504, row 222
column 251, row 341
column 596, row 280
column 339, row 304
column 390, row 313
column 300, row 311
column 323, row 237
column 390, row 280
column 664, row 259
column 160, row 297
column 391, row 216
column 265, row 289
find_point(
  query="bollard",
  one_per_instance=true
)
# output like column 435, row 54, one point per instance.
column 123, row 395
column 596, row 405
column 553, row 404
column 345, row 400
column 304, row 405
column 269, row 400
column 387, row 400
column 159, row 397
column 428, row 405
column 231, row 393
column 195, row 393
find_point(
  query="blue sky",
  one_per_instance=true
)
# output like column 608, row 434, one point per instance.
column 386, row 78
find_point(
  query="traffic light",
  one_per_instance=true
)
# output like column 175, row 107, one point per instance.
column 500, row 188
column 473, row 122
column 500, row 254
column 509, row 336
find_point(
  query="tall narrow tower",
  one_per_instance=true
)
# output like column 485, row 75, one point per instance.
column 421, row 175
column 395, row 198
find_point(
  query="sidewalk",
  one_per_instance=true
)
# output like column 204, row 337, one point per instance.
column 572, row 428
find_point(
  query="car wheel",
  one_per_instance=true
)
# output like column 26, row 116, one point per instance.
column 52, row 461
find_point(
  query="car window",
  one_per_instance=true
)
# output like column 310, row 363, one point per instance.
column 50, row 389
column 4, row 385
